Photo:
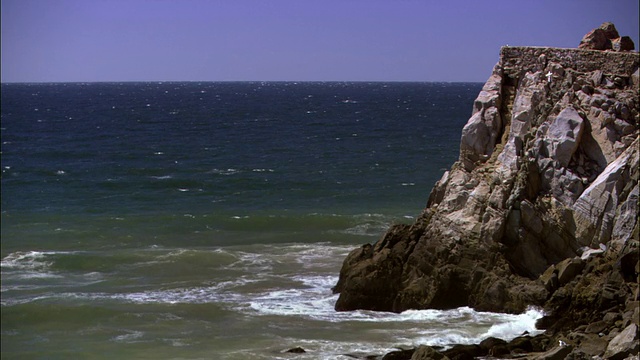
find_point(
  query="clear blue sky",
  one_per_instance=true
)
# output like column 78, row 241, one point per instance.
column 292, row 40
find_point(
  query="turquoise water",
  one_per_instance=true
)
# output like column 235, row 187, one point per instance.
column 210, row 220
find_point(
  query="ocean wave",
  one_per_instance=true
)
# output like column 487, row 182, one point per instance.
column 517, row 324
column 129, row 337
column 28, row 260
column 225, row 172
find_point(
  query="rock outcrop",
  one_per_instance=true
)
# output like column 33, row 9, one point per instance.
column 540, row 209
column 606, row 37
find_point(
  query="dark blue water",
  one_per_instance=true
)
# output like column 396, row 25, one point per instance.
column 150, row 154
column 210, row 220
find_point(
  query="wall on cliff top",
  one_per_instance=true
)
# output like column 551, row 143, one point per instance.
column 548, row 167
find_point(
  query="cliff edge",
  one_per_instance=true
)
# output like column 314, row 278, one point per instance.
column 540, row 209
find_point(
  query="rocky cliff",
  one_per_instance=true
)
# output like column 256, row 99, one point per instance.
column 540, row 209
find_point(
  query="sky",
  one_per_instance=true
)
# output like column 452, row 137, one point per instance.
column 286, row 40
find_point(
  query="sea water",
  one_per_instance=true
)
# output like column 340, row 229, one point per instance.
column 210, row 220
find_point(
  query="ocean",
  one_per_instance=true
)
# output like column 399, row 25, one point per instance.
column 187, row 220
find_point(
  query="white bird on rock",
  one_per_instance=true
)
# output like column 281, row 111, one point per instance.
column 562, row 343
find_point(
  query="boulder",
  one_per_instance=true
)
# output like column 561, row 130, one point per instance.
column 624, row 344
column 557, row 353
column 623, row 44
column 427, row 353
column 399, row 355
column 494, row 346
column 610, row 30
column 595, row 39
column 569, row 269
column 606, row 37
column 464, row 352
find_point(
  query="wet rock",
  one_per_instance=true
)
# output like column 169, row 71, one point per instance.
column 427, row 353
column 494, row 346
column 296, row 350
column 399, row 355
column 464, row 352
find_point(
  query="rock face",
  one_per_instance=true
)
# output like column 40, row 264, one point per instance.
column 548, row 171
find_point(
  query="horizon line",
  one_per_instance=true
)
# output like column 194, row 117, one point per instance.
column 231, row 81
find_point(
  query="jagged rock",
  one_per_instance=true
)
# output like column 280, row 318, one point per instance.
column 626, row 217
column 557, row 353
column 606, row 37
column 481, row 132
column 569, row 269
column 563, row 136
column 609, row 30
column 624, row 344
column 589, row 344
column 595, row 39
column 595, row 209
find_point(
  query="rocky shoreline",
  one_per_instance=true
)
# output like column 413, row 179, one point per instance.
column 540, row 209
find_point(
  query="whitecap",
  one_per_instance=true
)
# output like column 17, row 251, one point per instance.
column 29, row 260
column 225, row 172
column 130, row 336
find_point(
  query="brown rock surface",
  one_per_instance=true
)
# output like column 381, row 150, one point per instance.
column 606, row 37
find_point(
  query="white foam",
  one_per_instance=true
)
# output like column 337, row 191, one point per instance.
column 516, row 325
column 130, row 336
column 29, row 260
column 225, row 172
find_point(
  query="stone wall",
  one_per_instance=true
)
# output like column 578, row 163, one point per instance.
column 518, row 59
